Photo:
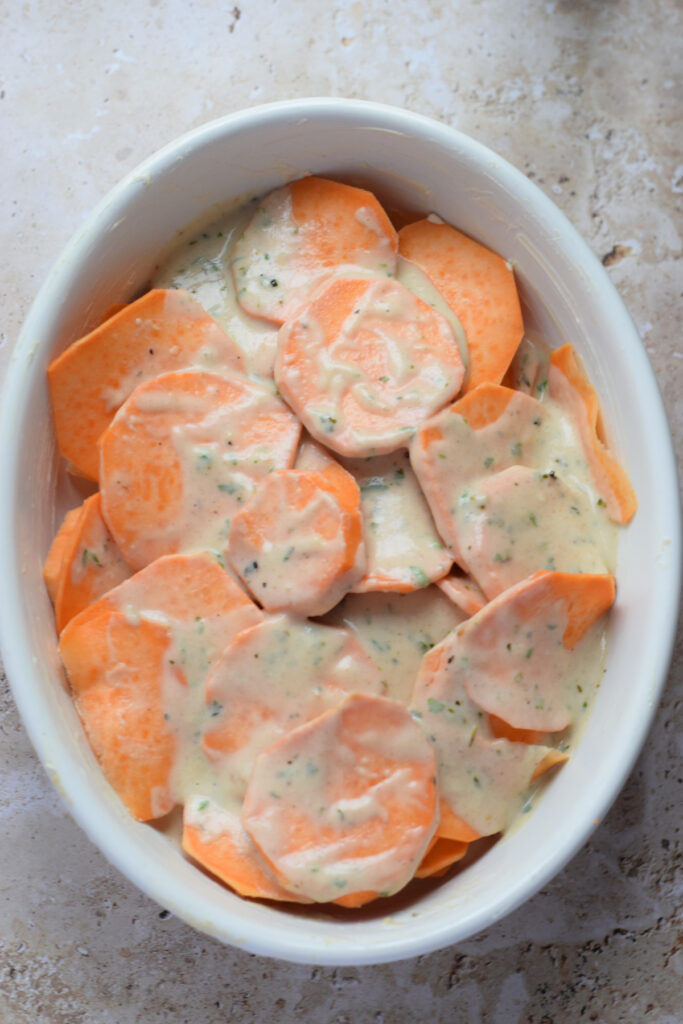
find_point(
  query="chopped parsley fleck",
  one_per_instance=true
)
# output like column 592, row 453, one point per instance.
column 419, row 575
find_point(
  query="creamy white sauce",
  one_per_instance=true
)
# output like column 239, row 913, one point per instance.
column 404, row 551
column 396, row 631
column 484, row 780
column 201, row 265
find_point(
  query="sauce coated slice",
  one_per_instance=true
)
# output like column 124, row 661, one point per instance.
column 482, row 780
column 299, row 234
column 162, row 331
column 463, row 592
column 347, row 803
column 480, row 288
column 217, row 839
column 52, row 567
column 138, row 651
column 487, row 431
column 571, row 388
column 404, row 550
column 272, row 678
column 365, row 362
column 298, row 543
column 519, row 657
column 521, row 521
column 183, row 455
column 92, row 563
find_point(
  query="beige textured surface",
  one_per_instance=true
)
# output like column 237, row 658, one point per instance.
column 584, row 97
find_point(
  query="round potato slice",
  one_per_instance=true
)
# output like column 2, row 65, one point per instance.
column 298, row 543
column 347, row 803
column 301, row 233
column 273, row 678
column 182, row 456
column 364, row 363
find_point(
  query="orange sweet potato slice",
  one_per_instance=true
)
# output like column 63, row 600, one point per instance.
column 53, row 563
column 516, row 653
column 483, row 781
column 162, row 331
column 364, row 362
column 299, row 234
column 298, row 543
column 503, row 730
column 215, row 837
column 462, row 444
column 440, row 857
column 452, row 826
column 478, row 285
column 520, row 521
column 571, row 388
column 129, row 658
column 183, row 454
column 273, row 677
column 91, row 565
column 347, row 803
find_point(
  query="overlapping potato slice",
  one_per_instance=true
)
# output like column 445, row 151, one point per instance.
column 270, row 679
column 364, row 362
column 183, row 454
column 572, row 390
column 298, row 543
column 300, row 234
column 162, row 331
column 131, row 658
column 346, row 804
column 90, row 562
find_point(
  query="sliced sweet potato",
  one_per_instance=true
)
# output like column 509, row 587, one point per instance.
column 298, row 542
column 364, row 362
column 478, row 285
column 129, row 658
column 53, row 563
column 299, row 234
column 516, row 656
column 91, row 564
column 571, row 388
column 347, row 803
column 162, row 331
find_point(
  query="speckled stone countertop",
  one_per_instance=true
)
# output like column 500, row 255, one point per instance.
column 583, row 96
